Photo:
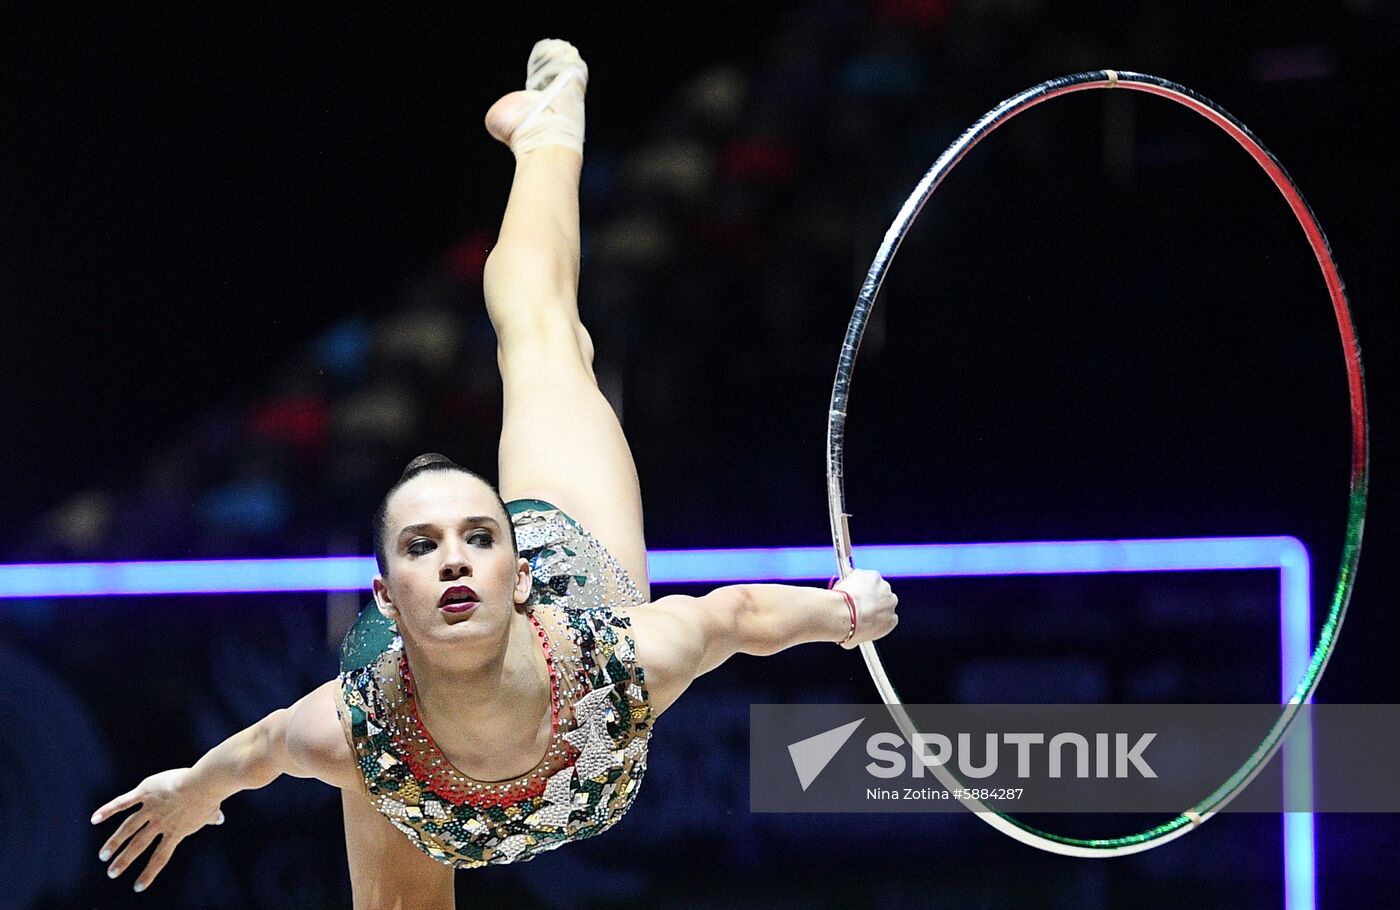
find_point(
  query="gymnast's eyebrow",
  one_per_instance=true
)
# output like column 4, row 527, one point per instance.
column 429, row 528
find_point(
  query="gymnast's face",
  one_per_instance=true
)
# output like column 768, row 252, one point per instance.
column 452, row 572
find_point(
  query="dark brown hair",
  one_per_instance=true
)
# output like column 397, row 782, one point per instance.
column 432, row 461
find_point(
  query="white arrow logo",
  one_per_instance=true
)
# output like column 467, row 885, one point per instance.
column 811, row 755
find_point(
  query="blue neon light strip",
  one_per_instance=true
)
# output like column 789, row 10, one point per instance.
column 1295, row 648
column 352, row 573
column 944, row 560
column 204, row 576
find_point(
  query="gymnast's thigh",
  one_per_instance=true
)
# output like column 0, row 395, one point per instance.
column 386, row 871
column 562, row 443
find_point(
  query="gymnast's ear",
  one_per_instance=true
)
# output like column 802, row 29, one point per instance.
column 381, row 599
column 523, row 581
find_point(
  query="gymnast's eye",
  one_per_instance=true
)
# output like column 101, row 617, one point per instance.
column 419, row 547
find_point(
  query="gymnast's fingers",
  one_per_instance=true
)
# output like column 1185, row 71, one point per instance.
column 125, row 801
column 159, row 857
column 129, row 826
column 134, row 848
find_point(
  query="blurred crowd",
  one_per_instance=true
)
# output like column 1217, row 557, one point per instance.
column 732, row 239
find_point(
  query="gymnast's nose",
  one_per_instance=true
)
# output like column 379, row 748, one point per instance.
column 454, row 563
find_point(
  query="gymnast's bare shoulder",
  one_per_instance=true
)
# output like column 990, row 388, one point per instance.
column 317, row 742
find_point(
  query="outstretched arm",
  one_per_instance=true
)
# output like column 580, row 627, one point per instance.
column 681, row 638
column 304, row 740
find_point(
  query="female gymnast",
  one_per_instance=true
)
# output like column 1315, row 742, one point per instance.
column 528, row 645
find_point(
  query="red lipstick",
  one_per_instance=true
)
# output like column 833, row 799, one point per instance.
column 457, row 599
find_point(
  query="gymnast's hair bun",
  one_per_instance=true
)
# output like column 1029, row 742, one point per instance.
column 430, row 459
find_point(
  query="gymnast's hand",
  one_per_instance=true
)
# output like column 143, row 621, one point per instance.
column 875, row 605
column 171, row 806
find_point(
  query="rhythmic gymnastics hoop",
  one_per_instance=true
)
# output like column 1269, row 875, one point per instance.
column 1191, row 818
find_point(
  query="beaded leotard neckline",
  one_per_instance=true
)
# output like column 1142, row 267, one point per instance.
column 427, row 760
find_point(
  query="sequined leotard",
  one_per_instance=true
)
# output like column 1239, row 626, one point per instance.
column 602, row 721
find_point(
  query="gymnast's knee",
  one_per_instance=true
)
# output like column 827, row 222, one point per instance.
column 547, row 332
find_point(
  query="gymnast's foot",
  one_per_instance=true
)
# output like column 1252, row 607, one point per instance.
column 550, row 109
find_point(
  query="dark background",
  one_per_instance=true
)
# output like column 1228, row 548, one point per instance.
column 231, row 239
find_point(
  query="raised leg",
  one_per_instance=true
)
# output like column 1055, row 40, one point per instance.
column 560, row 441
